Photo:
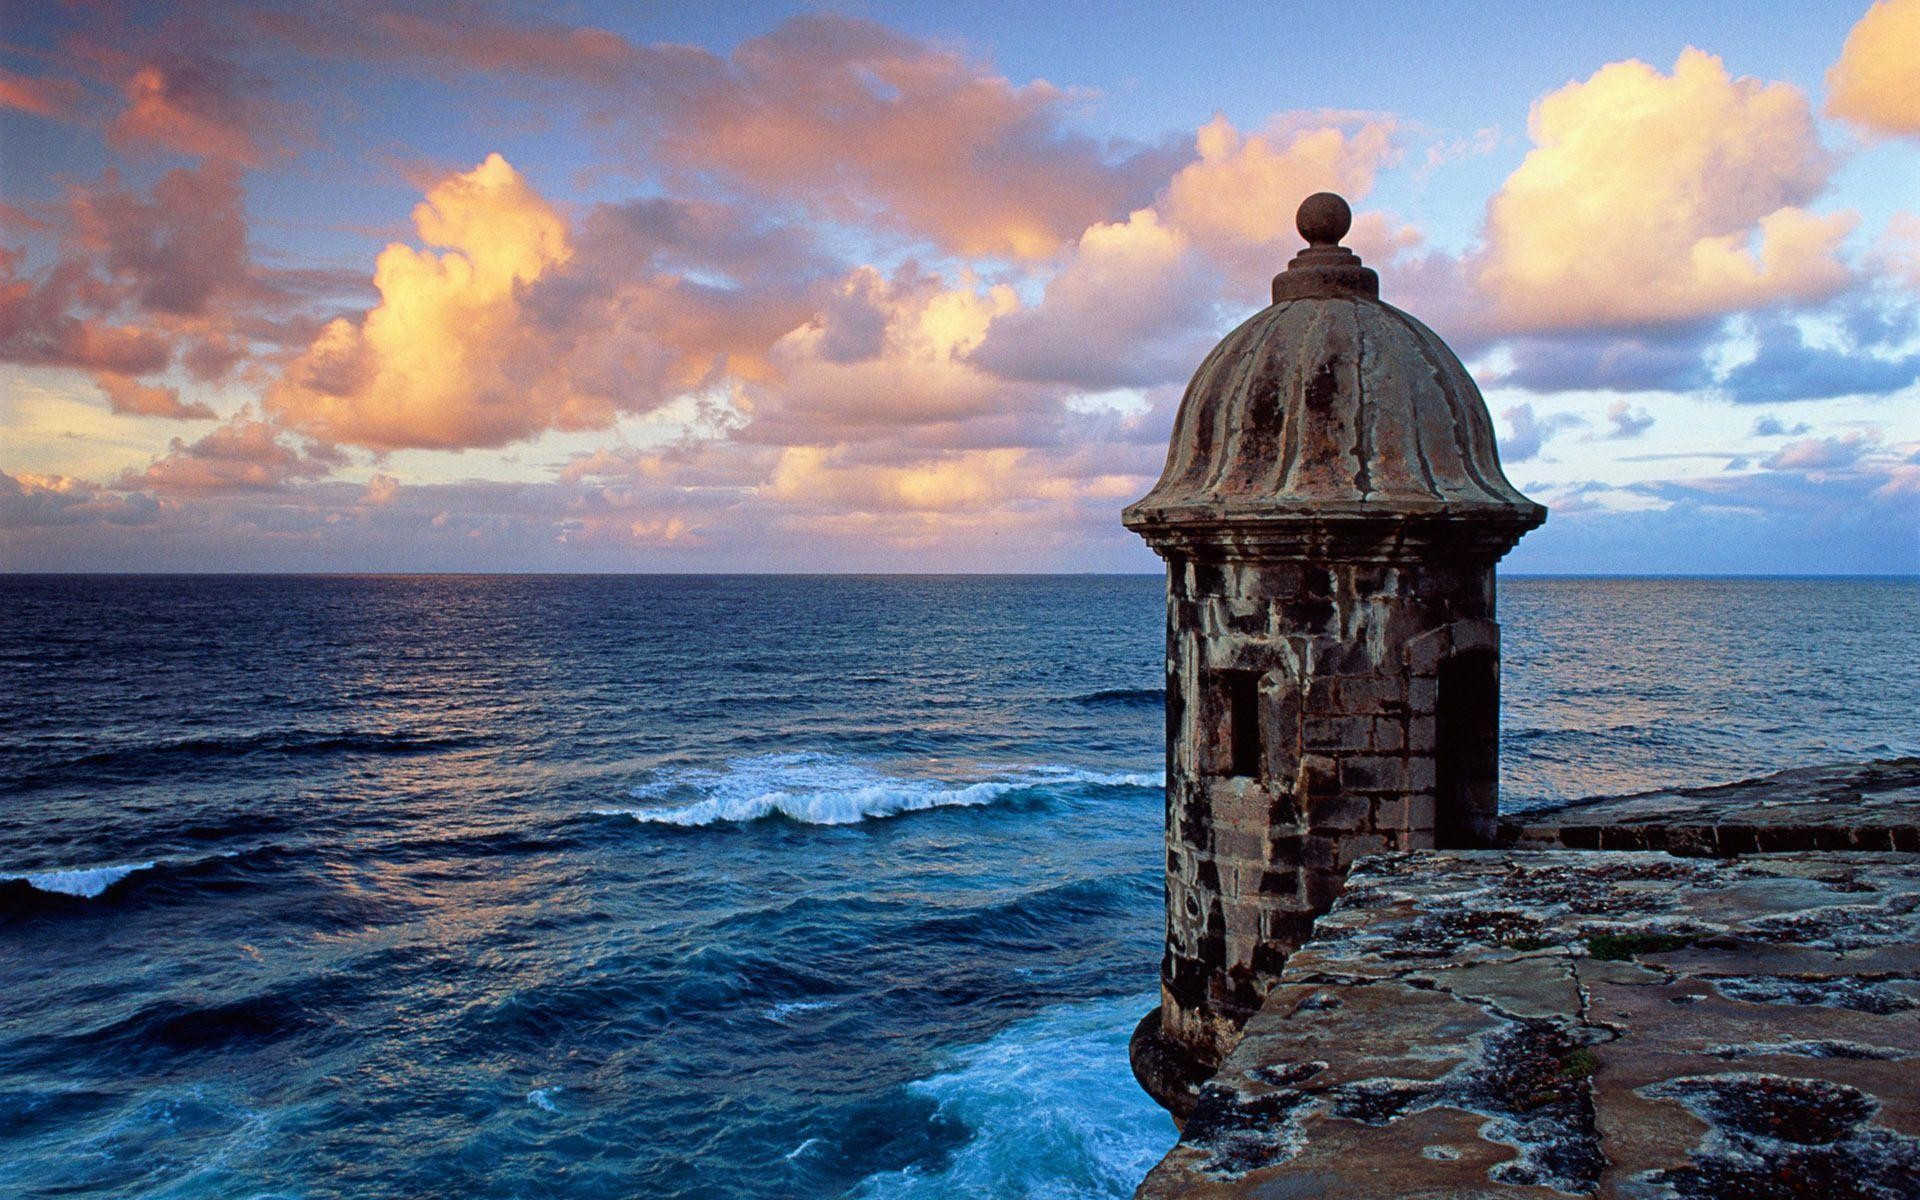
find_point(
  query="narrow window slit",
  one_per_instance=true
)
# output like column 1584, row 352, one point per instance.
column 1242, row 696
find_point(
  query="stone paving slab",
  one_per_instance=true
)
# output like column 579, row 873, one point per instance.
column 1550, row 1023
column 1870, row 806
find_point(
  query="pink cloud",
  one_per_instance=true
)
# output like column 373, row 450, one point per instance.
column 245, row 455
column 129, row 396
column 871, row 125
column 41, row 323
column 198, row 104
column 177, row 249
column 42, row 96
column 1823, row 454
column 843, row 117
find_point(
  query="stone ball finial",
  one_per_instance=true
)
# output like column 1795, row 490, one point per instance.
column 1323, row 219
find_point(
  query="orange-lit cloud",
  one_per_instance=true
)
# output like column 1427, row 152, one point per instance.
column 136, row 275
column 1652, row 197
column 1244, row 189
column 523, row 324
column 446, row 358
column 876, row 296
column 36, row 501
column 1876, row 82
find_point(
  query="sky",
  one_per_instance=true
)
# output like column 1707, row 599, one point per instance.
column 468, row 286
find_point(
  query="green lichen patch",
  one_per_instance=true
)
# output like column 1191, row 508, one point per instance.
column 1623, row 947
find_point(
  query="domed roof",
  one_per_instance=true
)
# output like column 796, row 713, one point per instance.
column 1332, row 406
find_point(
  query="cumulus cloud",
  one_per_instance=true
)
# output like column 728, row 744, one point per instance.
column 1243, row 189
column 381, row 489
column 1771, row 426
column 1652, row 198
column 445, row 359
column 1137, row 302
column 1876, row 82
column 523, row 323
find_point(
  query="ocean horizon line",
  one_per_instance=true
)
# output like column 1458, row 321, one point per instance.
column 507, row 573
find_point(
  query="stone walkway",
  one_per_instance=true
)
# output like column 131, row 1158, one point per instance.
column 1561, row 1022
column 1871, row 806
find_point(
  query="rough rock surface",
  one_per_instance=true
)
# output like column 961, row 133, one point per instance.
column 1871, row 806
column 1484, row 1023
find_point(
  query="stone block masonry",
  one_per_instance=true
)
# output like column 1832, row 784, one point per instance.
column 1330, row 515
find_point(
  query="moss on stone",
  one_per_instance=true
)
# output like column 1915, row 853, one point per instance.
column 1619, row 947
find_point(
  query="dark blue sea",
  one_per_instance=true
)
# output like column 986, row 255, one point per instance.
column 717, row 887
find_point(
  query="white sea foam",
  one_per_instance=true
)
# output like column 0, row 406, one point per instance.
column 802, row 1148
column 821, row 789
column 1053, row 1111
column 542, row 1098
column 84, row 882
column 779, row 1013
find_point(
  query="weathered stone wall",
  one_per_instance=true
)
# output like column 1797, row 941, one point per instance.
column 1345, row 662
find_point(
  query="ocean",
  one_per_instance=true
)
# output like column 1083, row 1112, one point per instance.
column 729, row 887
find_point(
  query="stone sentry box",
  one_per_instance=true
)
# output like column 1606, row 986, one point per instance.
column 1330, row 514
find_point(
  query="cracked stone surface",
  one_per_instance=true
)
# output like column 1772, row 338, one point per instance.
column 1587, row 1023
column 1870, row 806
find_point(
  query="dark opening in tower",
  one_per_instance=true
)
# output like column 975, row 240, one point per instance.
column 1467, row 751
column 1240, row 710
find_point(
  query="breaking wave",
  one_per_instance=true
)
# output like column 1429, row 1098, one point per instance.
column 86, row 883
column 1051, row 1109
column 822, row 789
column 59, row 886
